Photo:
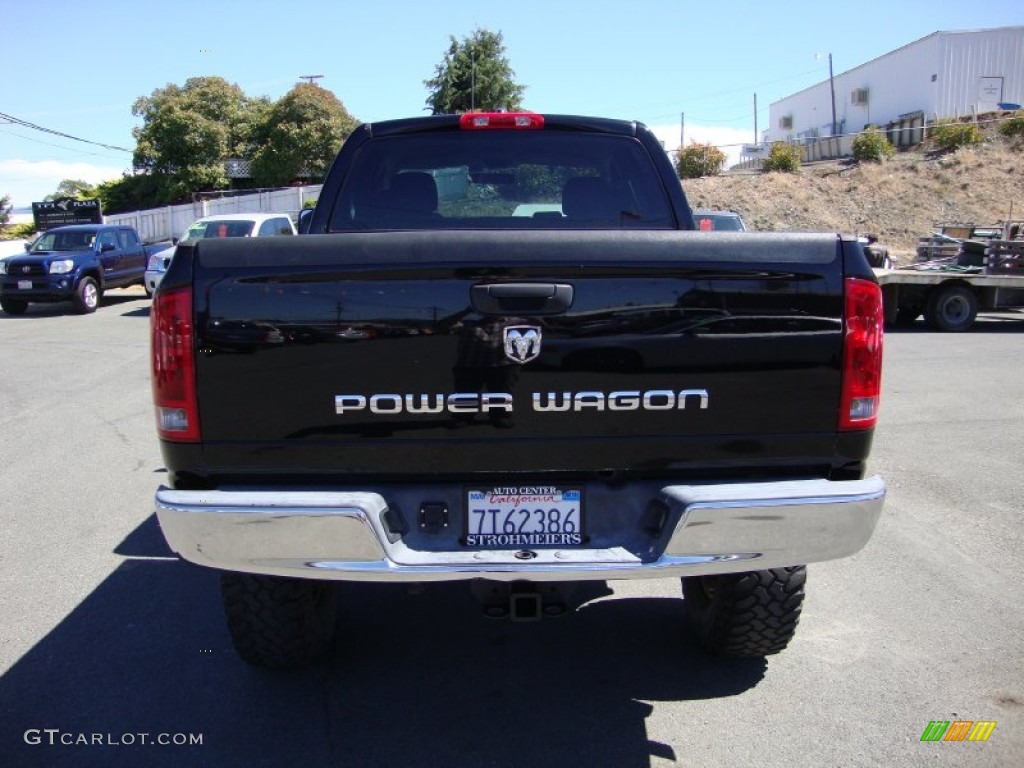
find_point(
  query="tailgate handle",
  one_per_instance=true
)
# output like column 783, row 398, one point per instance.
column 528, row 298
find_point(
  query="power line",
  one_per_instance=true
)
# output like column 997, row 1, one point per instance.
column 51, row 144
column 721, row 120
column 18, row 121
column 713, row 95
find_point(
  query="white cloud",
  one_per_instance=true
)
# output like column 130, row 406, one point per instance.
column 729, row 140
column 28, row 181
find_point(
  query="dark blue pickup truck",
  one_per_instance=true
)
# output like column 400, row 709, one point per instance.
column 73, row 263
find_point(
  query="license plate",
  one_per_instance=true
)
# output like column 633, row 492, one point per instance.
column 25, row 285
column 523, row 517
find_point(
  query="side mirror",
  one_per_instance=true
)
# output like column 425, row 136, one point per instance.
column 305, row 218
column 107, row 247
column 28, row 247
column 174, row 241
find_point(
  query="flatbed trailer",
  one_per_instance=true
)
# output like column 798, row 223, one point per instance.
column 949, row 299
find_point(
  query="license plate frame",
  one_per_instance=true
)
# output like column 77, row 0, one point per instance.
column 24, row 285
column 523, row 517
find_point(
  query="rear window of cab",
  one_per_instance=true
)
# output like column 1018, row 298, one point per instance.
column 502, row 179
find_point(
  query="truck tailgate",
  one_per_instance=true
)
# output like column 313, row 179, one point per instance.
column 432, row 353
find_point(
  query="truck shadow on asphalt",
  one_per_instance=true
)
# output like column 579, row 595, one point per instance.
column 110, row 303
column 418, row 678
column 985, row 324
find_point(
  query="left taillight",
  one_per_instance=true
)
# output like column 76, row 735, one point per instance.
column 862, row 355
column 173, row 366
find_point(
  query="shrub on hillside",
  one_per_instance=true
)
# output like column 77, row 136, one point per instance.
column 871, row 145
column 18, row 231
column 952, row 134
column 1013, row 126
column 699, row 160
column 783, row 157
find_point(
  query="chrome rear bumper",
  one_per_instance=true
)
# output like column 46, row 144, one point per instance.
column 341, row 535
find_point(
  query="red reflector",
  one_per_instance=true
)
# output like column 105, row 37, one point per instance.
column 483, row 121
column 173, row 371
column 862, row 355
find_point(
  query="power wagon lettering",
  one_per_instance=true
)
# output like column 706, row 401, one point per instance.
column 485, row 402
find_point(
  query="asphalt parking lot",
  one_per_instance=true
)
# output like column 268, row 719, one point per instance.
column 106, row 637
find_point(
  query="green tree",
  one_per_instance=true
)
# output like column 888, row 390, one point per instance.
column 133, row 192
column 5, row 210
column 474, row 75
column 1013, row 125
column 950, row 134
column 74, row 188
column 783, row 157
column 871, row 145
column 189, row 131
column 698, row 160
column 301, row 135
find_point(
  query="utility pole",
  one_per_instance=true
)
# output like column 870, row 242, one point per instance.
column 311, row 78
column 682, row 124
column 755, row 120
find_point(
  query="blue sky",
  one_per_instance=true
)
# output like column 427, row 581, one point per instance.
column 76, row 68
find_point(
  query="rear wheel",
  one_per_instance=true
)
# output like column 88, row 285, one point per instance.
column 279, row 622
column 14, row 306
column 952, row 308
column 87, row 295
column 745, row 614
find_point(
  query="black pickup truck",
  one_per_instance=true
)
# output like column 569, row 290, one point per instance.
column 74, row 263
column 499, row 356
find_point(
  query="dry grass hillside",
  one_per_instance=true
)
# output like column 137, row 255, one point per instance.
column 899, row 200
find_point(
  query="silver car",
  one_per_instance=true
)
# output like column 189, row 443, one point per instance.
column 226, row 225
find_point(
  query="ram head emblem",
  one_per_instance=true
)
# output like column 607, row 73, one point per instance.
column 522, row 343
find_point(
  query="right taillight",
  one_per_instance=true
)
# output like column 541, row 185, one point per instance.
column 862, row 355
column 174, row 379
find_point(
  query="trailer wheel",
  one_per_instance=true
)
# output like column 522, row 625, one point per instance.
column 951, row 308
column 745, row 615
column 279, row 622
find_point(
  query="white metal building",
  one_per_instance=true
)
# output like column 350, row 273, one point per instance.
column 946, row 74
